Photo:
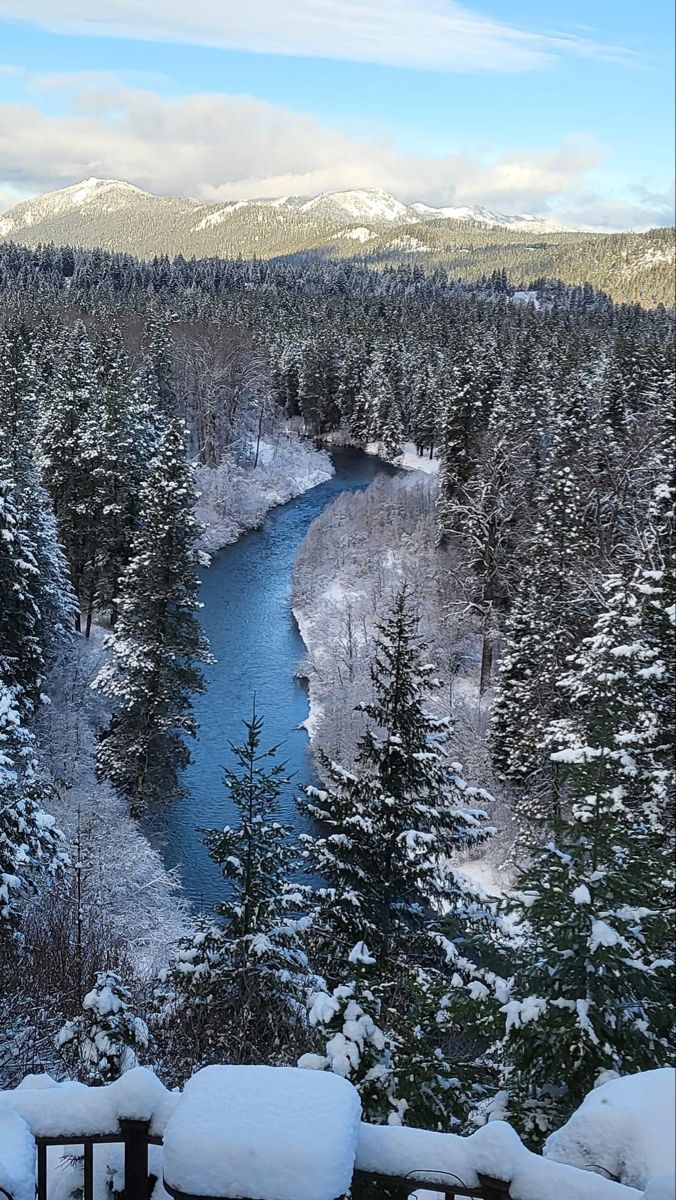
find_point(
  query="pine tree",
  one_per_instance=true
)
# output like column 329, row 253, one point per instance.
column 392, row 431
column 31, row 846
column 424, row 411
column 591, row 991
column 45, row 586
column 360, row 418
column 460, row 422
column 252, row 967
column 389, row 827
column 125, row 422
column 389, row 823
column 354, row 1046
column 156, row 378
column 152, row 672
column 541, row 629
column 69, row 457
column 22, row 661
column 107, row 1038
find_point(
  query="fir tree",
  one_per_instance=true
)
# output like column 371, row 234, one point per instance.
column 22, row 662
column 158, row 641
column 460, row 422
column 390, row 822
column 69, row 457
column 156, row 378
column 354, row 1046
column 31, row 846
column 541, row 629
column 592, row 988
column 252, row 967
column 392, row 431
column 107, row 1038
column 45, row 587
column 125, row 434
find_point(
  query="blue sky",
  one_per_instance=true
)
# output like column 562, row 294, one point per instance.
column 558, row 108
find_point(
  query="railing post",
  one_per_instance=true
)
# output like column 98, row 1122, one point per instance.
column 42, row 1171
column 88, row 1171
column 136, row 1180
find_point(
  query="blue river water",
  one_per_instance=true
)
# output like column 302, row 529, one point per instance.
column 247, row 617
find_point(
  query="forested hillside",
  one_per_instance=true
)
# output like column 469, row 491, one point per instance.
column 370, row 227
column 357, row 947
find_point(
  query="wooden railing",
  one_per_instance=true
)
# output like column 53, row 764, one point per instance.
column 136, row 1139
column 133, row 1135
column 488, row 1189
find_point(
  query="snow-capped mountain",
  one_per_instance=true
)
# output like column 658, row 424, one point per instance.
column 373, row 206
column 370, row 205
column 101, row 195
column 98, row 200
column 487, row 216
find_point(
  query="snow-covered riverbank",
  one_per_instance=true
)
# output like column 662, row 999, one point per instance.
column 235, row 499
column 124, row 879
column 354, row 559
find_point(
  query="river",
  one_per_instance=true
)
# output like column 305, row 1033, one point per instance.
column 247, row 617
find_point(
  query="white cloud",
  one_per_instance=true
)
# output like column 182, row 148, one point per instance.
column 436, row 34
column 9, row 197
column 640, row 209
column 219, row 147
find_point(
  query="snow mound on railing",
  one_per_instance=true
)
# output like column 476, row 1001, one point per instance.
column 495, row 1151
column 275, row 1133
column 79, row 1110
column 624, row 1127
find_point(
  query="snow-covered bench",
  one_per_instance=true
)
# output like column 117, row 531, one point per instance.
column 264, row 1133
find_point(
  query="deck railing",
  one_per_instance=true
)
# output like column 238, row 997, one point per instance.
column 55, row 1122
column 134, row 1136
column 139, row 1183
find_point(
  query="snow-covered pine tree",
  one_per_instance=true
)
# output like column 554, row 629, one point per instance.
column 69, row 454
column 388, row 824
column 185, row 1002
column 424, row 410
column 125, row 435
column 152, row 672
column 545, row 619
column 106, row 1038
column 460, row 421
column 352, row 1043
column 381, row 397
column 253, row 966
column 392, row 431
column 408, row 1041
column 360, row 417
column 45, row 584
column 592, row 989
column 156, row 381
column 31, row 846
column 22, row 661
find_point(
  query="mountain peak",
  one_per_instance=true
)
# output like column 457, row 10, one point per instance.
column 87, row 213
column 358, row 204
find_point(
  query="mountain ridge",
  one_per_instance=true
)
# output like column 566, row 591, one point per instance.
column 349, row 206
column 368, row 224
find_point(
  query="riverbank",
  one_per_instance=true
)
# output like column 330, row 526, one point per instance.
column 141, row 900
column 356, row 556
column 235, row 499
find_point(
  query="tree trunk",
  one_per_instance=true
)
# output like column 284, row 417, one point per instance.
column 486, row 648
